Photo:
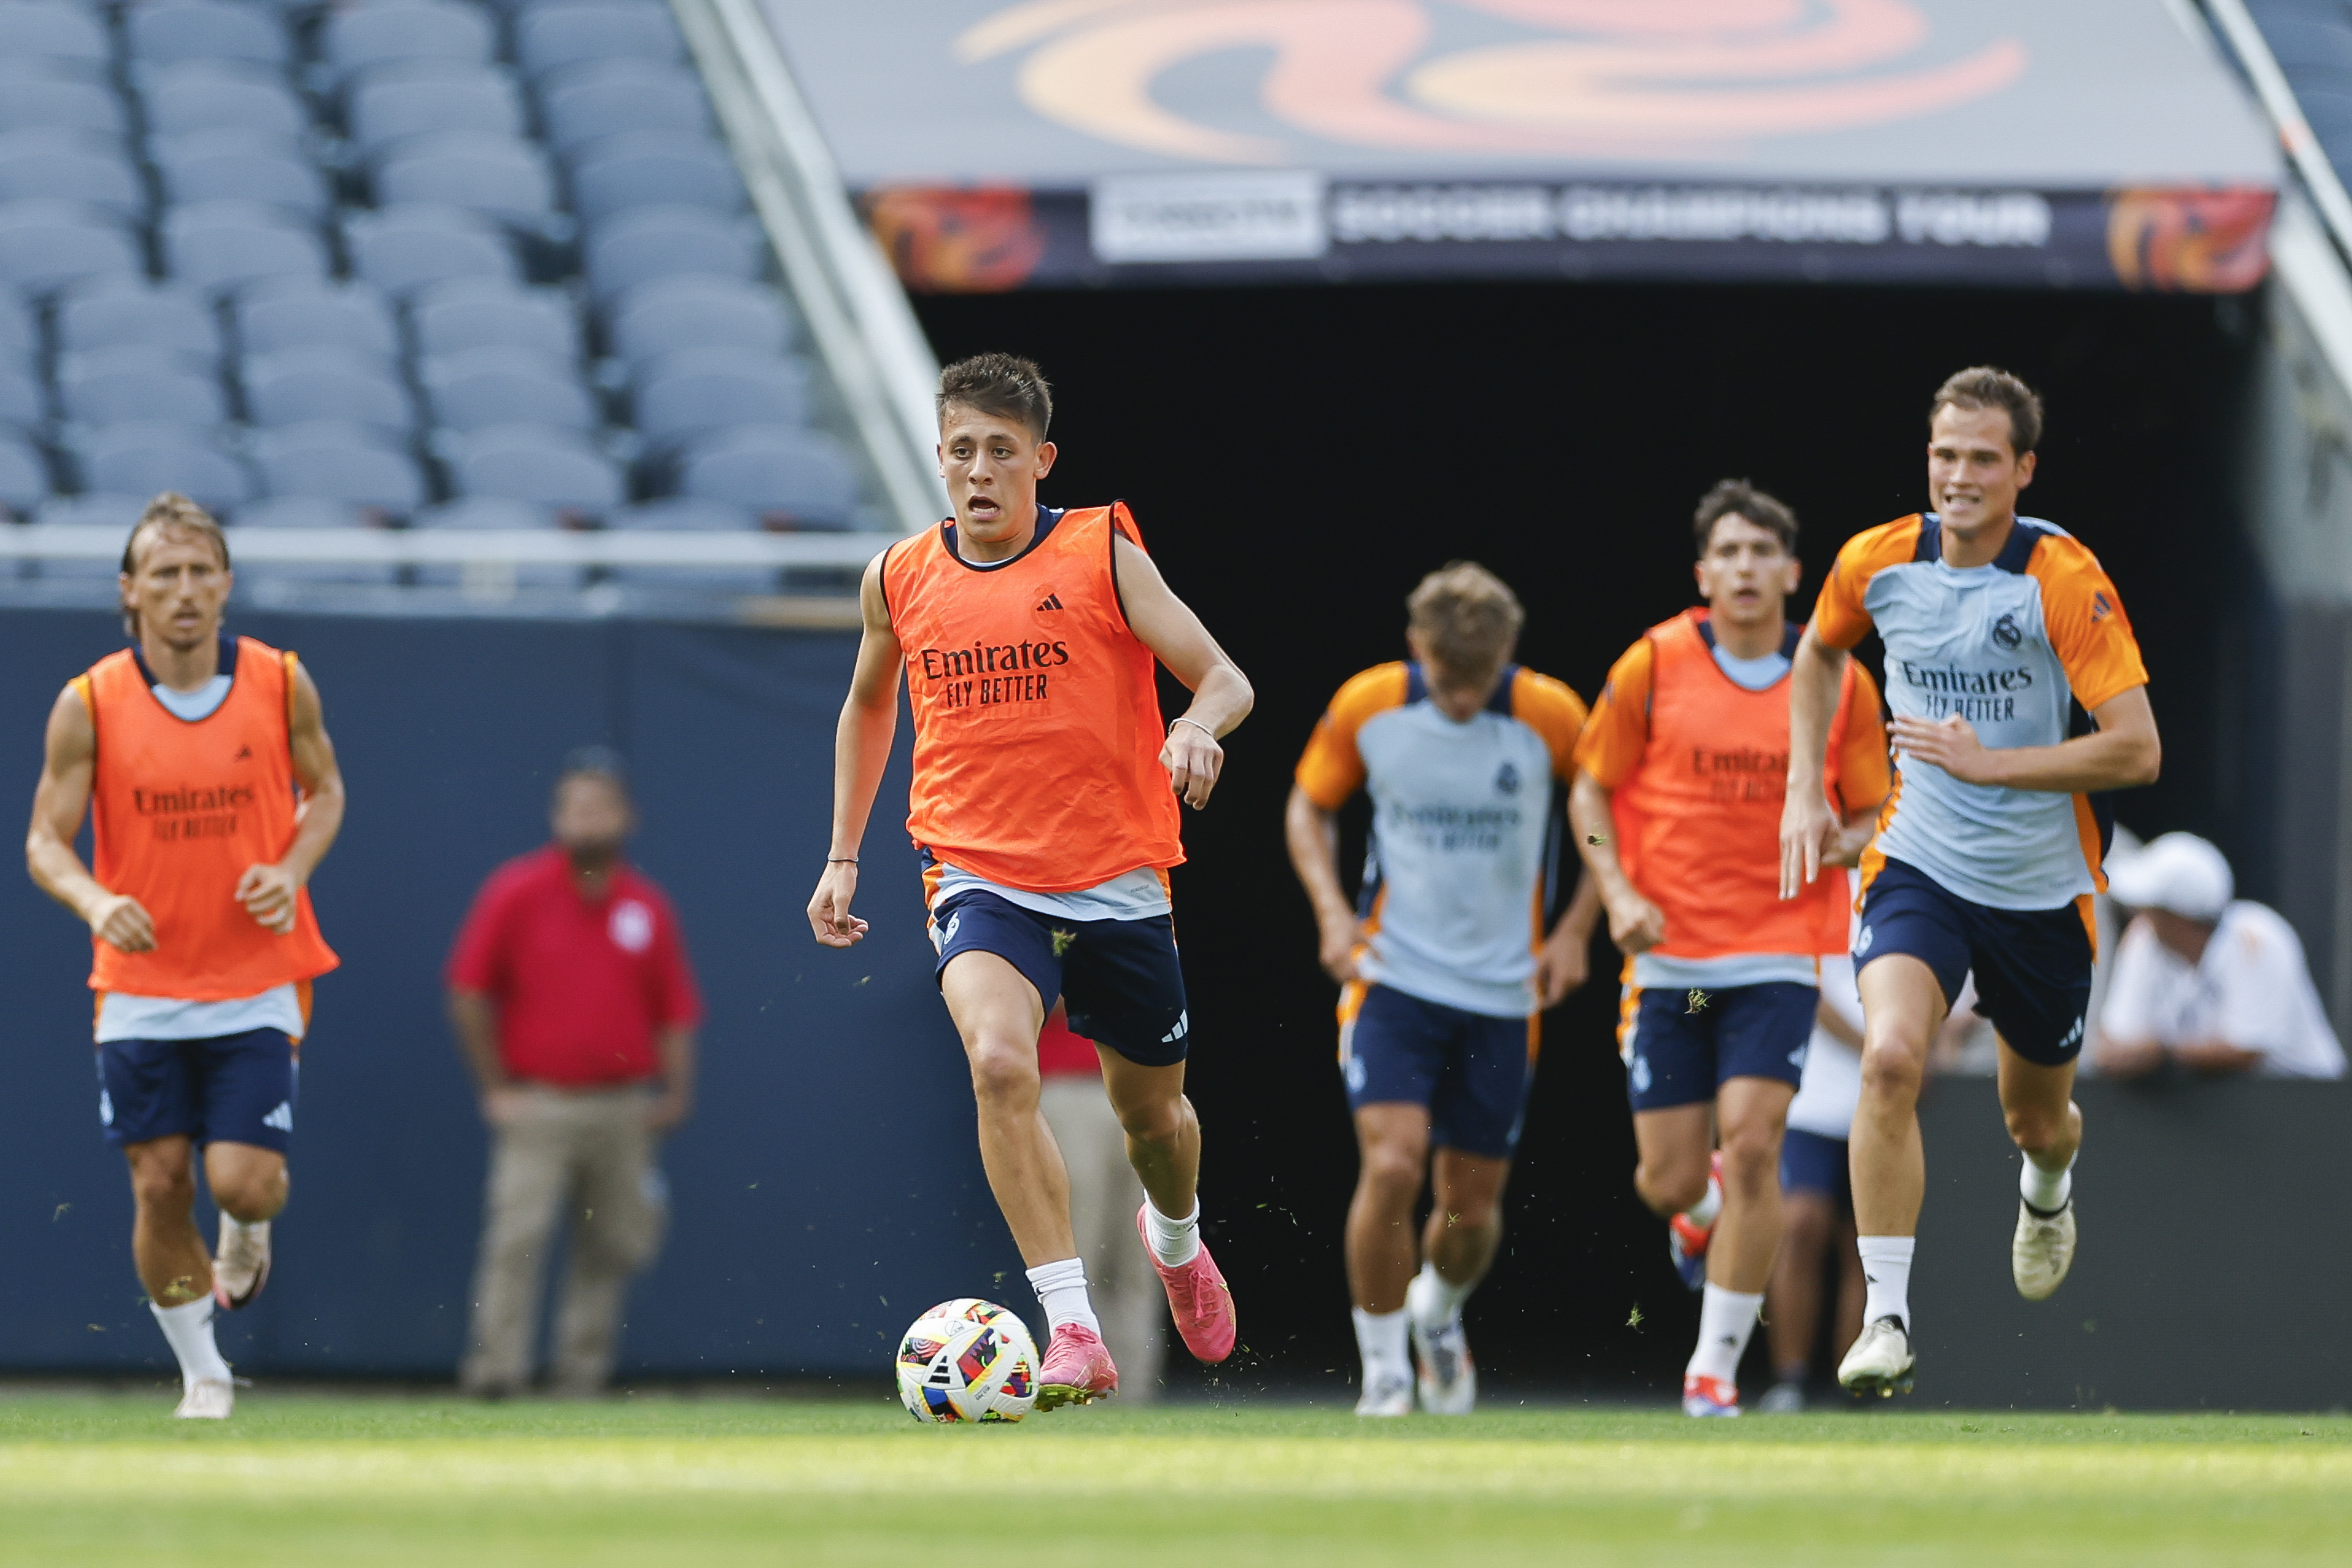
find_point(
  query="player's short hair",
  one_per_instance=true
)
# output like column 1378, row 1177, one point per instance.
column 1468, row 619
column 168, row 512
column 592, row 762
column 1741, row 497
column 1987, row 386
column 1005, row 385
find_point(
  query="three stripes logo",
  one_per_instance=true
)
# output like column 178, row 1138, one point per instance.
column 1051, row 602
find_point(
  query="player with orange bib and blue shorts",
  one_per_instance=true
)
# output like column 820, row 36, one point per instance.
column 203, row 765
column 2020, row 699
column 1044, row 803
column 1676, row 809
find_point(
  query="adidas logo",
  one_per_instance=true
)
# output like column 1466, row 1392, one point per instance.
column 244, row 754
column 1183, row 1027
column 1051, row 602
column 282, row 1118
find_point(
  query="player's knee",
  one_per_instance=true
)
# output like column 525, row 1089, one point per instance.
column 1670, row 1187
column 1751, row 1159
column 160, row 1182
column 1152, row 1121
column 1392, row 1170
column 1005, row 1073
column 1891, row 1071
column 2034, row 1128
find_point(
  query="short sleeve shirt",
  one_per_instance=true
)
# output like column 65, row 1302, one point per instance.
column 2252, row 990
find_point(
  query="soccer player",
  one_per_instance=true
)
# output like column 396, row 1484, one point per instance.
column 204, row 767
column 2017, row 695
column 1045, row 803
column 1444, row 972
column 1677, row 806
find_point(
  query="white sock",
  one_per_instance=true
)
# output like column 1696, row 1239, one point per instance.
column 189, row 1327
column 1174, row 1242
column 1886, row 1265
column 1441, row 1297
column 1380, row 1340
column 1725, row 1319
column 1061, row 1290
column 2046, row 1190
column 1710, row 1204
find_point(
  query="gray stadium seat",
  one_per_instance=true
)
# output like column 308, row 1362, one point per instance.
column 135, row 384
column 259, row 578
column 38, row 29
column 133, row 312
column 402, row 249
column 398, row 31
column 481, row 313
column 97, row 510
column 645, row 245
column 790, row 476
column 48, row 165
column 420, row 99
column 532, row 462
column 2301, row 44
column 677, row 514
column 695, row 391
column 222, row 245
column 603, row 98
column 219, row 95
column 18, row 336
column 295, row 512
column 654, row 168
column 22, row 406
column 571, row 32
column 484, row 513
column 238, row 166
column 164, row 32
column 142, row 459
column 45, row 244
column 294, row 386
column 24, row 477
column 339, row 461
column 502, row 177
column 35, row 91
column 698, row 313
column 474, row 389
column 303, row 313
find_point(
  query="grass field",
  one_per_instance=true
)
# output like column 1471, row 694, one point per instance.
column 313, row 1479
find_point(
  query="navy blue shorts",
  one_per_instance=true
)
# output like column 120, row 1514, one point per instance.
column 2033, row 965
column 1679, row 1046
column 1810, row 1163
column 231, row 1088
column 1471, row 1070
column 1120, row 977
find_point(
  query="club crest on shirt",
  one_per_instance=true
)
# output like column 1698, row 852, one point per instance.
column 1506, row 778
column 2005, row 631
column 631, row 926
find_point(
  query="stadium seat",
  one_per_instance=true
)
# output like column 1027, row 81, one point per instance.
column 2305, row 47
column 654, row 168
column 294, row 386
column 18, row 336
column 133, row 312
column 547, row 466
column 791, row 477
column 419, row 99
column 95, row 510
column 482, row 312
column 22, row 406
column 24, row 477
column 164, row 32
column 400, row 31
column 644, row 245
column 219, row 95
column 502, row 177
column 238, row 166
column 474, row 389
column 698, row 313
column 48, row 164
column 337, row 461
column 484, row 513
column 259, row 579
column 142, row 459
column 39, row 29
column 136, row 384
column 306, row 313
column 695, row 391
column 296, row 512
column 676, row 513
column 692, row 514
column 402, row 249
column 222, row 245
column 570, row 32
column 60, row 94
column 45, row 243
column 603, row 98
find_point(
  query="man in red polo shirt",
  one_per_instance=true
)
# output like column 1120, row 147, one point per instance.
column 574, row 1006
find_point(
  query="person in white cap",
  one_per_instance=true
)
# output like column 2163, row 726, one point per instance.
column 2213, row 983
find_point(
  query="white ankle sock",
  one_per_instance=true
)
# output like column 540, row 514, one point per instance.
column 1380, row 1340
column 1061, row 1290
column 2046, row 1190
column 1710, row 1204
column 189, row 1327
column 1725, row 1319
column 1174, row 1242
column 1439, row 1298
column 1886, row 1265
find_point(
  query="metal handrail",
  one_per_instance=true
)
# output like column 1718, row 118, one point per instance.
column 2277, row 95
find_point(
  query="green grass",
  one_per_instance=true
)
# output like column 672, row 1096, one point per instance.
column 314, row 1478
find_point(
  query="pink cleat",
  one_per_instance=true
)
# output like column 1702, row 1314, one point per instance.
column 1200, row 1299
column 1708, row 1396
column 1078, row 1369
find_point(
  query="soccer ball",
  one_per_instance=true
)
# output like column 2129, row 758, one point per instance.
column 968, row 1360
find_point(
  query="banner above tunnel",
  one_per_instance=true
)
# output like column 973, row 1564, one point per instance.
column 2092, row 144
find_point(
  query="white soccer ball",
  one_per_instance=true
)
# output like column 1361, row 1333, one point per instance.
column 968, row 1360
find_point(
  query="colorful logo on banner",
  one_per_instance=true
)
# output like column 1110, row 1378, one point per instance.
column 2203, row 242
column 956, row 241
column 1609, row 79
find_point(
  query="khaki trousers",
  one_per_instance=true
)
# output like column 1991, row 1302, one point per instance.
column 586, row 1158
column 1104, row 1195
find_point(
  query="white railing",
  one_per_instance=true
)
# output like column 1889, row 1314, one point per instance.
column 462, row 547
column 2234, row 21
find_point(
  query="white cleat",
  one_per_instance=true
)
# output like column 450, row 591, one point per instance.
column 206, row 1399
column 1448, row 1377
column 2041, row 1251
column 1390, row 1396
column 243, row 1266
column 1881, row 1361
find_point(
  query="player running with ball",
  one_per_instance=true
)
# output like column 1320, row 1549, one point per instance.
column 2019, row 694
column 1043, row 802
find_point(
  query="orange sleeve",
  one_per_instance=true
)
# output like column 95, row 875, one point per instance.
column 1553, row 710
column 1858, row 775
column 1838, row 616
column 1618, row 731
column 2085, row 618
column 1331, row 769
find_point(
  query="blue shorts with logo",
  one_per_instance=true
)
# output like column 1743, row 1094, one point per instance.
column 1811, row 1163
column 1680, row 1046
column 1120, row 977
column 1471, row 1070
column 2033, row 965
column 231, row 1088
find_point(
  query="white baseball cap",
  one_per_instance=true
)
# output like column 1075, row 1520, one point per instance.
column 2177, row 873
